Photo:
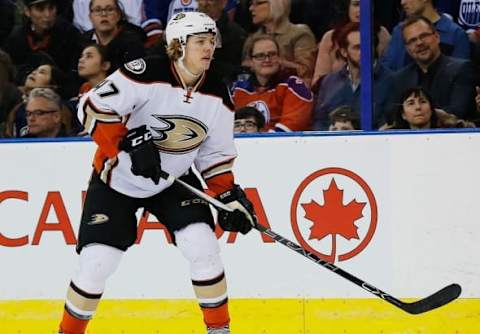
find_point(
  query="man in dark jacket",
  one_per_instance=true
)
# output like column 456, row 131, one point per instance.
column 43, row 38
column 449, row 81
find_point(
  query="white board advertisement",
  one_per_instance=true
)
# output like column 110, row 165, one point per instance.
column 398, row 211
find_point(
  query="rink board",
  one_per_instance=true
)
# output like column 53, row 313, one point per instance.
column 417, row 232
column 272, row 316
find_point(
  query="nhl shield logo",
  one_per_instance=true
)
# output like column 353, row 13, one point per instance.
column 136, row 66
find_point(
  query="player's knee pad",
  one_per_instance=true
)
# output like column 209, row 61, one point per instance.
column 97, row 263
column 199, row 246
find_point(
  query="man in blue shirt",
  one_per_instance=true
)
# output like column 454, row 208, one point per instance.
column 453, row 39
column 342, row 88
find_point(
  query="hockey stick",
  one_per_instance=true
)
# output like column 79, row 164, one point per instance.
column 438, row 299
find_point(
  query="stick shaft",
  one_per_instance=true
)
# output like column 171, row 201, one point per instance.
column 438, row 299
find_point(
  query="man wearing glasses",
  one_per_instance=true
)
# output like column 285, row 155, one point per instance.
column 449, row 81
column 453, row 39
column 248, row 120
column 44, row 119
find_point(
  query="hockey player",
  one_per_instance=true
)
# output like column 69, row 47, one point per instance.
column 151, row 115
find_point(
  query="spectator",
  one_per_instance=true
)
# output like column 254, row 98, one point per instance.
column 133, row 10
column 7, row 19
column 343, row 87
column 450, row 81
column 454, row 41
column 44, row 117
column 466, row 13
column 43, row 37
column 248, row 120
column 10, row 95
column 111, row 29
column 45, row 76
column 285, row 101
column 230, row 40
column 297, row 42
column 243, row 16
column 343, row 118
column 416, row 111
column 93, row 66
column 328, row 59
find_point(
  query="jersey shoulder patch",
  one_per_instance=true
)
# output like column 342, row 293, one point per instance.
column 137, row 66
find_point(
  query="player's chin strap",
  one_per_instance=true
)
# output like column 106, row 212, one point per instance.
column 184, row 68
column 439, row 298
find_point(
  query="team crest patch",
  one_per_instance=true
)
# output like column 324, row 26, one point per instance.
column 136, row 66
column 179, row 16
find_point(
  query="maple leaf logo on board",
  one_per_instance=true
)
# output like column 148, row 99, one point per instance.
column 333, row 217
column 334, row 214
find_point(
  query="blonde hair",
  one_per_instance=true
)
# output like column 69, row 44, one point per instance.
column 174, row 50
column 279, row 10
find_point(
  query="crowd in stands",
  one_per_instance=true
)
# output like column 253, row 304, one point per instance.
column 291, row 65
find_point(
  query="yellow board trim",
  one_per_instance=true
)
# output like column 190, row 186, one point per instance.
column 249, row 316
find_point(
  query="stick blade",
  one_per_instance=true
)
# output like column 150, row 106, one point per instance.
column 439, row 298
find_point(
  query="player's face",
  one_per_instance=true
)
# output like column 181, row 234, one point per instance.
column 199, row 52
column 90, row 63
column 39, row 77
column 422, row 44
column 104, row 15
column 43, row 116
column 413, row 7
column 260, row 10
column 417, row 111
column 42, row 15
column 354, row 11
column 265, row 58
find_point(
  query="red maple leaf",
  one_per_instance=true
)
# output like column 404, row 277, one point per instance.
column 333, row 217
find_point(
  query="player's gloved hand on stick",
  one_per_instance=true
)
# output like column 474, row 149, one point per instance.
column 145, row 158
column 243, row 217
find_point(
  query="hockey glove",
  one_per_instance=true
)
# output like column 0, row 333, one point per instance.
column 145, row 158
column 242, row 218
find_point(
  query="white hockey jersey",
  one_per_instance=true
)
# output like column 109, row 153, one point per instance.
column 189, row 125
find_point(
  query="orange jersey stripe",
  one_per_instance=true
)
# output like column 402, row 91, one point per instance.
column 220, row 183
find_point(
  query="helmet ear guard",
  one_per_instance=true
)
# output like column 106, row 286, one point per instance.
column 185, row 24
